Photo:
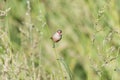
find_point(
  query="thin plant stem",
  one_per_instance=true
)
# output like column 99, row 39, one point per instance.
column 58, row 63
column 67, row 69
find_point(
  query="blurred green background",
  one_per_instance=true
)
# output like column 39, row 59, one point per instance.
column 89, row 49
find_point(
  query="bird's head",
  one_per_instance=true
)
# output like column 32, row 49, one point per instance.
column 59, row 32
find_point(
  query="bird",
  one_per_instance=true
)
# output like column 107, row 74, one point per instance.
column 56, row 37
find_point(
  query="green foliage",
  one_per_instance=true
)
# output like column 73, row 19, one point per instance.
column 89, row 49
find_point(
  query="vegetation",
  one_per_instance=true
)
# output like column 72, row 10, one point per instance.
column 89, row 49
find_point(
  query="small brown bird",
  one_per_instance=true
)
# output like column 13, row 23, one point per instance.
column 57, row 36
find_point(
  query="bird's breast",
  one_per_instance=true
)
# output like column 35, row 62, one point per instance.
column 56, row 37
